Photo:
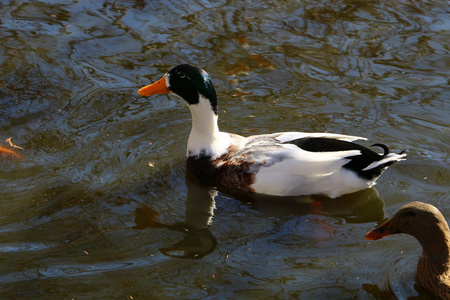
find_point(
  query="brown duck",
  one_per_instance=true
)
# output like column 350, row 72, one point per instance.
column 426, row 223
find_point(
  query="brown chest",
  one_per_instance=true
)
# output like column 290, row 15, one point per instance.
column 222, row 172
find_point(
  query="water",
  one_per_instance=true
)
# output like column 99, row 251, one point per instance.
column 99, row 205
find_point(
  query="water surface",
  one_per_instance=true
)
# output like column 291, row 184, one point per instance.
column 100, row 206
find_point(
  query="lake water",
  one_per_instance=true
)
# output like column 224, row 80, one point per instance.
column 99, row 205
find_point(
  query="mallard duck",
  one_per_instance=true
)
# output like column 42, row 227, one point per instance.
column 281, row 164
column 427, row 224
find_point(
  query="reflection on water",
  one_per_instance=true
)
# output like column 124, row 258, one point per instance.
column 359, row 207
column 97, row 160
column 198, row 241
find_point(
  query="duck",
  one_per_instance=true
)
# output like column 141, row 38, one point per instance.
column 277, row 164
column 427, row 224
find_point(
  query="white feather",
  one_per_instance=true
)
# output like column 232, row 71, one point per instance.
column 388, row 158
column 302, row 172
column 289, row 136
column 333, row 184
column 205, row 135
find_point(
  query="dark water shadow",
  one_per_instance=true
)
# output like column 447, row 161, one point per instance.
column 360, row 207
column 198, row 241
column 387, row 294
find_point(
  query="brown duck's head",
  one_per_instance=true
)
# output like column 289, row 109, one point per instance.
column 418, row 219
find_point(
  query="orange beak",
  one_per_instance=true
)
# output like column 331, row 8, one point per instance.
column 381, row 231
column 158, row 87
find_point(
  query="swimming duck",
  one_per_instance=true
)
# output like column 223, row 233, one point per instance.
column 427, row 224
column 281, row 164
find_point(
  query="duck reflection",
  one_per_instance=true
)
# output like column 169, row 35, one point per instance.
column 198, row 241
column 360, row 207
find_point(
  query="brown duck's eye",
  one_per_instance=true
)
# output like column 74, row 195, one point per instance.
column 409, row 214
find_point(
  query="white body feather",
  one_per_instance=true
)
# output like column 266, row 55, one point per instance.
column 305, row 172
column 322, row 175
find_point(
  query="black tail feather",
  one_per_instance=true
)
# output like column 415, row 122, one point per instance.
column 357, row 163
column 384, row 147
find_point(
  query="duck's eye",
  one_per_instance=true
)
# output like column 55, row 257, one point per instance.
column 410, row 214
column 181, row 75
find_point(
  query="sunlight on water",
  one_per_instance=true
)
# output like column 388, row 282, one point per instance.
column 96, row 203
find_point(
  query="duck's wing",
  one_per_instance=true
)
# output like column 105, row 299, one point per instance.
column 368, row 164
column 322, row 151
column 293, row 163
column 299, row 153
column 286, row 137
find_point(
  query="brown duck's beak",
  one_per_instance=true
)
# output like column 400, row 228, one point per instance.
column 381, row 231
column 158, row 87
